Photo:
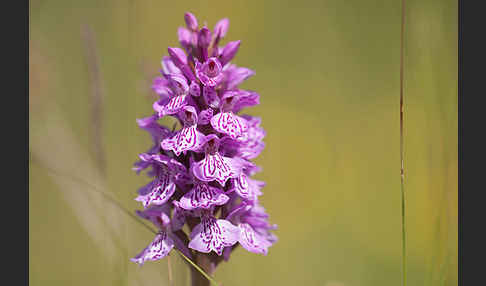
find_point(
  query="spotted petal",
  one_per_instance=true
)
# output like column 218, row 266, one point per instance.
column 203, row 196
column 213, row 235
column 247, row 188
column 252, row 140
column 251, row 240
column 170, row 106
column 230, row 124
column 188, row 138
column 215, row 167
column 160, row 191
column 157, row 249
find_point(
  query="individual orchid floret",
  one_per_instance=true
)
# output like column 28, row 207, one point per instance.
column 203, row 196
column 213, row 235
column 252, row 240
column 178, row 83
column 251, row 143
column 168, row 172
column 214, row 166
column 227, row 122
column 255, row 235
column 164, row 240
column 170, row 106
column 157, row 249
column 177, row 97
column 188, row 138
column 247, row 188
column 209, row 72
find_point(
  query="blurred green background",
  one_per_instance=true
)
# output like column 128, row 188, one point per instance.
column 328, row 76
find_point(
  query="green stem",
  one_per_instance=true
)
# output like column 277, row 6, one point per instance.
column 402, row 173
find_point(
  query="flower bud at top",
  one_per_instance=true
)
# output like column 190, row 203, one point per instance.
column 203, row 42
column 191, row 21
column 204, row 38
column 221, row 28
column 184, row 37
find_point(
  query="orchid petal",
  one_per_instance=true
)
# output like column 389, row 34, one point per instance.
column 213, row 235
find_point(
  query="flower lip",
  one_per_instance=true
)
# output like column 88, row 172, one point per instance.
column 209, row 72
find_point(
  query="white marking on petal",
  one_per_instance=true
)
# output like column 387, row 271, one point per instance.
column 203, row 196
column 230, row 124
column 252, row 241
column 213, row 235
column 157, row 249
column 214, row 167
column 188, row 138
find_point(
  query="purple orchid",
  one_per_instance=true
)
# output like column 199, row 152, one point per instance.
column 201, row 172
column 164, row 240
column 188, row 138
column 213, row 235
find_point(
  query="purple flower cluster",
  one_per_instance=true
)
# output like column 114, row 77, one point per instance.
column 201, row 173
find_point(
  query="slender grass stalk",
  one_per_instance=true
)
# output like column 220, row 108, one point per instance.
column 402, row 175
column 112, row 200
column 169, row 270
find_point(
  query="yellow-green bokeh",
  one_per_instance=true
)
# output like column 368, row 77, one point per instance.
column 328, row 76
